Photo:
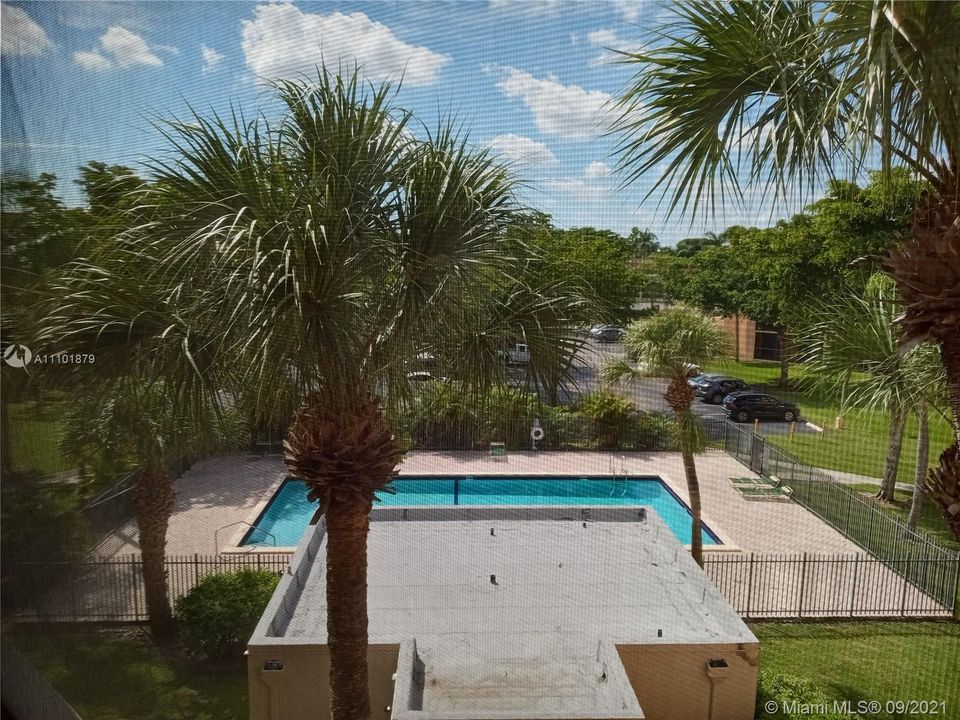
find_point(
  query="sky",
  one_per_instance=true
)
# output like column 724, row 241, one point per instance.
column 534, row 80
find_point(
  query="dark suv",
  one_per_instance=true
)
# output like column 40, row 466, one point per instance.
column 714, row 388
column 745, row 406
column 609, row 334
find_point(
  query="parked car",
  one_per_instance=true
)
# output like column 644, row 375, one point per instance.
column 519, row 354
column 597, row 329
column 694, row 380
column 422, row 376
column 714, row 388
column 744, row 406
column 609, row 334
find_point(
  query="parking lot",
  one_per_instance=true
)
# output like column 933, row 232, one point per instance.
column 647, row 393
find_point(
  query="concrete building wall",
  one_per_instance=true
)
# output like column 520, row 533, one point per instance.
column 671, row 681
column 747, row 331
column 301, row 690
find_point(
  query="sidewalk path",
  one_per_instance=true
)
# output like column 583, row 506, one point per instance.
column 853, row 479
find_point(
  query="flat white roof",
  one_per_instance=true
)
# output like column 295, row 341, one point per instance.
column 520, row 615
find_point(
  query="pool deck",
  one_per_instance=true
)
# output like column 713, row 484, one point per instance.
column 216, row 497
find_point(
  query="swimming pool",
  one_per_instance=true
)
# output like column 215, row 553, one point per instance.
column 287, row 513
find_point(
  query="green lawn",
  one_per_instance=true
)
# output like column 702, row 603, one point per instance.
column 869, row 660
column 122, row 676
column 931, row 520
column 861, row 447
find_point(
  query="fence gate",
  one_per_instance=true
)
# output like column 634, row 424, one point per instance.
column 756, row 454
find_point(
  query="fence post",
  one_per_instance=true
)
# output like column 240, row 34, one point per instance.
column 803, row 577
column 956, row 586
column 749, row 586
column 906, row 582
column 196, row 569
column 853, row 585
column 136, row 575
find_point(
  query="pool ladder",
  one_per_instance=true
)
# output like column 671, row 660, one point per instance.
column 619, row 478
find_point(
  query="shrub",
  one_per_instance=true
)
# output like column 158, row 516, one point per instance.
column 440, row 418
column 610, row 417
column 218, row 616
column 508, row 415
column 789, row 691
column 652, row 431
column 443, row 417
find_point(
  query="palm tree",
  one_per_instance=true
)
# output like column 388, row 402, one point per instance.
column 852, row 348
column 793, row 90
column 143, row 386
column 929, row 380
column 642, row 243
column 336, row 247
column 666, row 345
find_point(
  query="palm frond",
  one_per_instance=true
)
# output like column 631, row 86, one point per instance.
column 787, row 92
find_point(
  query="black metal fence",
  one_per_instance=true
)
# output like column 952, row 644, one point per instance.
column 832, row 586
column 110, row 590
column 758, row 586
column 907, row 552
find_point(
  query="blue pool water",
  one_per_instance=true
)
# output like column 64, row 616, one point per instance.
column 286, row 515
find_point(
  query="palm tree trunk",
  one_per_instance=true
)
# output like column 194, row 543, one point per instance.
column 153, row 504
column 950, row 355
column 923, row 460
column 679, row 396
column 693, row 489
column 348, row 523
column 898, row 419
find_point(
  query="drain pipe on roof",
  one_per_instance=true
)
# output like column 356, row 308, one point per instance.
column 717, row 670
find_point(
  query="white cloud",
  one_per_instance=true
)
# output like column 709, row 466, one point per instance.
column 597, row 169
column 21, row 35
column 282, row 41
column 522, row 149
column 211, row 58
column 127, row 48
column 527, row 7
column 629, row 9
column 92, row 60
column 119, row 48
column 564, row 110
column 610, row 39
column 610, row 42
